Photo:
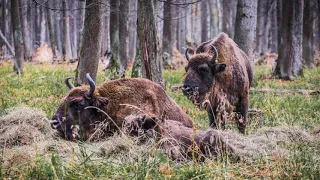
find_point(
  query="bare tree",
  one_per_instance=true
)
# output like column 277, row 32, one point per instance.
column 133, row 29
column 82, row 5
column 42, row 26
column 90, row 50
column 50, row 25
column 17, row 34
column 246, row 26
column 204, row 18
column 229, row 12
column 114, row 35
column 123, row 36
column 149, row 42
column 308, row 32
column 66, row 47
column 214, row 25
column 25, row 29
column 167, row 35
column 273, row 34
column 290, row 32
column 262, row 27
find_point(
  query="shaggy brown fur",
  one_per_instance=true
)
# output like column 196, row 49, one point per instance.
column 178, row 141
column 215, row 79
column 115, row 100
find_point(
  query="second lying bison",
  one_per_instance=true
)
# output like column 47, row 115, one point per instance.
column 178, row 141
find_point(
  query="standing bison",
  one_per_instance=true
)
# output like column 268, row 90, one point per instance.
column 106, row 107
column 219, row 73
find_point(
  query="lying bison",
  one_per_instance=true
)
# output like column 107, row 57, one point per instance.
column 219, row 73
column 178, row 141
column 106, row 107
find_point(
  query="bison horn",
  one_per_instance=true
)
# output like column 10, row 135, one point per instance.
column 92, row 84
column 215, row 57
column 69, row 84
column 187, row 54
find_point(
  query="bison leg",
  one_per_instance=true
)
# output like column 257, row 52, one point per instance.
column 212, row 118
column 243, row 110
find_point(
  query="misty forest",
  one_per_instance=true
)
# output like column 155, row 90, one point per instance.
column 159, row 89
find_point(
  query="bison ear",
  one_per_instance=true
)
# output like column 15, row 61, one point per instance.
column 100, row 101
column 219, row 67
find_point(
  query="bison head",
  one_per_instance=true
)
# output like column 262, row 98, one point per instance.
column 80, row 108
column 200, row 76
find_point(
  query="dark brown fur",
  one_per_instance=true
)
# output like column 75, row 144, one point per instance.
column 225, row 78
column 180, row 142
column 117, row 99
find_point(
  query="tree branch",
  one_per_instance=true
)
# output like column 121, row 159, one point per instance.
column 7, row 43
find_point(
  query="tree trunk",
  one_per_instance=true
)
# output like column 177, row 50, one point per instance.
column 228, row 10
column 273, row 43
column 297, row 36
column 290, row 32
column 52, row 37
column 177, row 29
column 318, row 25
column 25, row 29
column 262, row 27
column 136, row 69
column 133, row 29
column 42, row 26
column 107, row 29
column 31, row 25
column 90, row 50
column 17, row 36
column 123, row 37
column 308, row 32
column 58, row 29
column 214, row 25
column 114, row 36
column 73, row 35
column 245, row 26
column 204, row 22
column 167, row 36
column 149, row 42
column 182, row 32
column 82, row 5
column 66, row 48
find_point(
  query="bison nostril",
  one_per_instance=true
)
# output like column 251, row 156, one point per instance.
column 186, row 89
column 55, row 123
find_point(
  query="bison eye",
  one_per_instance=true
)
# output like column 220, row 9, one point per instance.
column 203, row 68
column 77, row 106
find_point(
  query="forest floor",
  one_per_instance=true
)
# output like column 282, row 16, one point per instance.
column 41, row 89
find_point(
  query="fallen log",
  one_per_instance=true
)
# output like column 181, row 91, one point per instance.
column 286, row 91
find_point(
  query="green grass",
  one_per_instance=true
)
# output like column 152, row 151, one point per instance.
column 42, row 87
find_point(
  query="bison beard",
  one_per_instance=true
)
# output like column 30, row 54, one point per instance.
column 219, row 72
column 88, row 107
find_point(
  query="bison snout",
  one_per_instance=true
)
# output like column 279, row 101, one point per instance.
column 55, row 123
column 187, row 90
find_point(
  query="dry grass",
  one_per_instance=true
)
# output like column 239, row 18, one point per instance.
column 25, row 132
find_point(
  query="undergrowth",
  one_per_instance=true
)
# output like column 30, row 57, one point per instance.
column 42, row 86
